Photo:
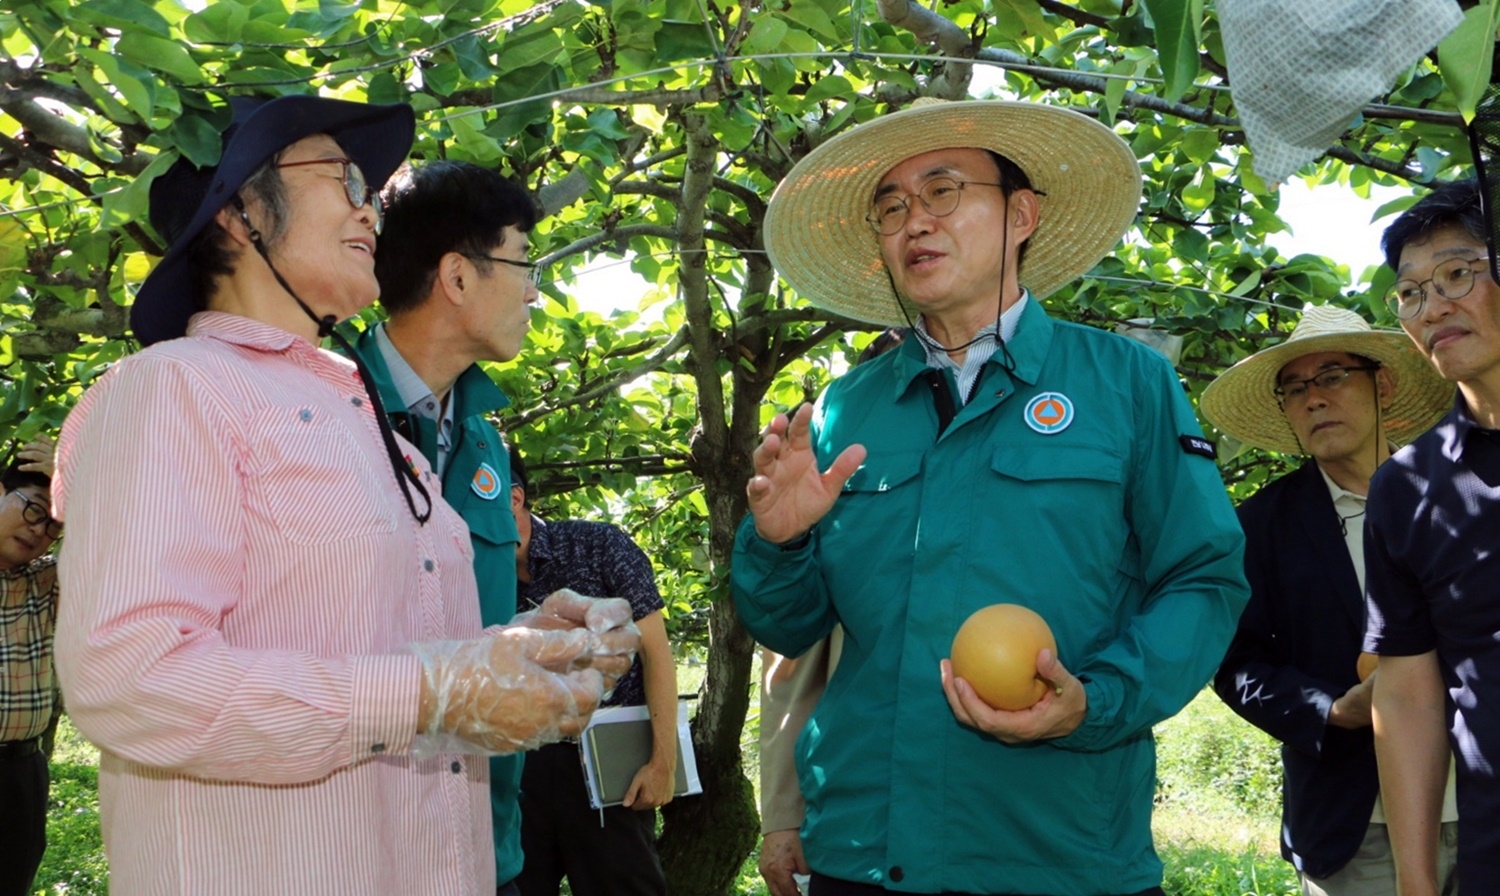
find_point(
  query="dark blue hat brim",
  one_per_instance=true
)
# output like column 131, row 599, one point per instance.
column 378, row 138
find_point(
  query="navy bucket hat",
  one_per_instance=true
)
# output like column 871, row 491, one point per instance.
column 185, row 198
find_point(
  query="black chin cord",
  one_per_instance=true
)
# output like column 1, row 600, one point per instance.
column 406, row 477
column 1007, row 362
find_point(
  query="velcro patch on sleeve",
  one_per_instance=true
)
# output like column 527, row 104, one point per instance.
column 1199, row 446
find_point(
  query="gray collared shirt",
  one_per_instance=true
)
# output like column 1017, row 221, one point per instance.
column 978, row 353
column 417, row 397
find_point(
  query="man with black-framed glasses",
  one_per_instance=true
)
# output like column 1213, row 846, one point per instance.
column 1433, row 570
column 457, row 288
column 1340, row 393
column 28, row 621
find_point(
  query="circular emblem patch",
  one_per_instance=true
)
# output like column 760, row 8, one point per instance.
column 486, row 482
column 1050, row 412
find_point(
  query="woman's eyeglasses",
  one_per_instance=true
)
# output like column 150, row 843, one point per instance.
column 356, row 189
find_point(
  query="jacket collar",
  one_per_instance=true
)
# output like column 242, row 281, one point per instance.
column 1028, row 350
column 475, row 392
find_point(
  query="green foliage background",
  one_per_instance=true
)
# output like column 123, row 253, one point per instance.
column 654, row 131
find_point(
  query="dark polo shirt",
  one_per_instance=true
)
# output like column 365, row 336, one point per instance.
column 1432, row 555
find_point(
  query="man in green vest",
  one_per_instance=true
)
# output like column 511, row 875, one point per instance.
column 457, row 288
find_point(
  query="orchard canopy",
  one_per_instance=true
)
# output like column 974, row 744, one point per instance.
column 654, row 131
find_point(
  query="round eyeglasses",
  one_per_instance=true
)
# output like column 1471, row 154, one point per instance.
column 34, row 514
column 1328, row 380
column 939, row 196
column 1452, row 280
column 533, row 270
column 356, row 189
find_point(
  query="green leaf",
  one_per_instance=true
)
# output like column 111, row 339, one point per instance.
column 811, row 18
column 160, row 54
column 137, row 93
column 676, row 41
column 832, row 87
column 1025, row 13
column 477, row 145
column 1466, row 56
column 197, row 140
column 131, row 203
column 125, row 15
column 473, row 58
column 220, row 22
column 766, row 34
column 606, row 123
column 384, row 88
column 1178, row 26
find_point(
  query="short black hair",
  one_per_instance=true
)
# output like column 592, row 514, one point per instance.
column 14, row 477
column 518, row 473
column 437, row 208
column 1456, row 202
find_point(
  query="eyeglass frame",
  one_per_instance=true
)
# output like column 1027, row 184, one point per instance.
column 533, row 270
column 52, row 528
column 873, row 219
column 368, row 195
column 1394, row 304
column 1281, row 393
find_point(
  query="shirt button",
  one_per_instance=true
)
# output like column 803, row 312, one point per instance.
column 481, row 446
column 304, row 415
column 377, row 748
column 456, row 766
column 357, row 401
column 897, row 874
column 427, row 565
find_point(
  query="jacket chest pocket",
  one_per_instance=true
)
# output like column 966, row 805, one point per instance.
column 1073, row 496
column 316, row 485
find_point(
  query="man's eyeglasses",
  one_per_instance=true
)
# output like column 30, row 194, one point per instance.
column 1452, row 280
column 533, row 270
column 35, row 514
column 356, row 189
column 1330, row 380
column 939, row 196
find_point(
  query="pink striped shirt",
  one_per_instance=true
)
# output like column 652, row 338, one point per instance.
column 240, row 576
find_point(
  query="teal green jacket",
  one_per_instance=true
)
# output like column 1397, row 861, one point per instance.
column 1103, row 519
column 477, row 485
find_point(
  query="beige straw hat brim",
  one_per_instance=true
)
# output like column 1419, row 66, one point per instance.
column 818, row 239
column 1242, row 400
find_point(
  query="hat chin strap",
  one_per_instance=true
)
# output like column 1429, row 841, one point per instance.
column 406, row 476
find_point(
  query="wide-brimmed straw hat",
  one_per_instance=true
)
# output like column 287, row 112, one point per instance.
column 1242, row 400
column 818, row 239
column 185, row 198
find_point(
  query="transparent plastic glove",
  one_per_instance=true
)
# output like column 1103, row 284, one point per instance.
column 510, row 691
column 609, row 619
column 566, row 608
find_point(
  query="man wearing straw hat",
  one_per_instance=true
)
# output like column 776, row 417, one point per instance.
column 1433, row 567
column 996, row 456
column 1340, row 392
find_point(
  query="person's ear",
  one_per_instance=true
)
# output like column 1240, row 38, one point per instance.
column 1025, row 212
column 517, row 500
column 235, row 222
column 450, row 277
column 1385, row 383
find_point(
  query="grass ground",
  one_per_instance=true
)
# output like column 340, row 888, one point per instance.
column 1215, row 822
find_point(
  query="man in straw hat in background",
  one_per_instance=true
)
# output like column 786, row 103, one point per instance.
column 267, row 610
column 997, row 455
column 1342, row 393
column 1433, row 565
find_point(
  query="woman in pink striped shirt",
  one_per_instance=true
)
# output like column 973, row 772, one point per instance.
column 267, row 610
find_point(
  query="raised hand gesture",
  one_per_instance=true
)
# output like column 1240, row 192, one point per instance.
column 787, row 493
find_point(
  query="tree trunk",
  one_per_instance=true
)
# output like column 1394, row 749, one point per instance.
column 705, row 838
